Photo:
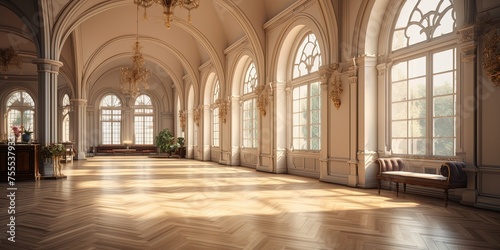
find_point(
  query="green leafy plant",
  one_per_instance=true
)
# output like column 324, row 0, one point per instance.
column 52, row 150
column 165, row 140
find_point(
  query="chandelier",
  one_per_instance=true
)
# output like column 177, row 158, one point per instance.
column 8, row 58
column 136, row 75
column 168, row 7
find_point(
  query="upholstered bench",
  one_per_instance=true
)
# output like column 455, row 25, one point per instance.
column 393, row 170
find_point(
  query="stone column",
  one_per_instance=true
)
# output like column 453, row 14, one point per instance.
column 48, row 71
column 79, row 124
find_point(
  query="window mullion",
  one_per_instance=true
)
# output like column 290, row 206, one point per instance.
column 429, row 105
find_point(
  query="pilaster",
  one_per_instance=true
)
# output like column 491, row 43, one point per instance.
column 80, row 127
column 47, row 105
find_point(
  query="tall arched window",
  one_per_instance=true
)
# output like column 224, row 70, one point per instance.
column 423, row 83
column 111, row 119
column 143, row 120
column 215, row 115
column 249, row 112
column 66, row 104
column 306, row 96
column 20, row 111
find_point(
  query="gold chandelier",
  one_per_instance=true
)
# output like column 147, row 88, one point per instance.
column 9, row 58
column 169, row 6
column 136, row 75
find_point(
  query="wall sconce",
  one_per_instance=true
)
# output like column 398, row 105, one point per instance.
column 223, row 108
column 9, row 58
column 491, row 56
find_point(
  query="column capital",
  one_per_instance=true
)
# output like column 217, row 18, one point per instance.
column 79, row 102
column 48, row 65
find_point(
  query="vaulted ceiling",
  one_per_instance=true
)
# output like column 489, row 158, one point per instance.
column 95, row 37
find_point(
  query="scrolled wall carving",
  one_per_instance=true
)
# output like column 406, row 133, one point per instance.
column 197, row 115
column 491, row 56
column 223, row 105
column 182, row 119
column 263, row 92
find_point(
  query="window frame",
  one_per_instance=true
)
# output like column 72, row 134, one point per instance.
column 299, row 81
column 143, row 115
column 427, row 49
column 249, row 134
column 112, row 114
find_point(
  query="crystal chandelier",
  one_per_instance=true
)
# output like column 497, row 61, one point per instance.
column 168, row 7
column 136, row 75
column 8, row 58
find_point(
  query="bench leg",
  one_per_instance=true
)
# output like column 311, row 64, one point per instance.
column 404, row 187
column 397, row 189
column 378, row 184
column 446, row 198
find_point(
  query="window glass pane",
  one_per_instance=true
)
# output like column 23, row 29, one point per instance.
column 400, row 146
column 399, row 91
column 418, row 128
column 417, row 67
column 443, row 84
column 399, row 71
column 443, row 61
column 416, row 88
column 444, row 146
column 442, row 127
column 444, row 106
column 417, row 109
column 399, row 111
column 400, row 129
column 418, row 146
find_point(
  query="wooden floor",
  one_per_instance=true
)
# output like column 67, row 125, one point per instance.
column 143, row 203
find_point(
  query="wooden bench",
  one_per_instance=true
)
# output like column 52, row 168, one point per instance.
column 452, row 176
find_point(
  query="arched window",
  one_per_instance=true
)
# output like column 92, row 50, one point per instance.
column 143, row 120
column 20, row 112
column 215, row 115
column 306, row 96
column 249, row 112
column 423, row 83
column 308, row 57
column 66, row 104
column 111, row 119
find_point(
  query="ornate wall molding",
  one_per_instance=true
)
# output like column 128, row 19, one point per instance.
column 336, row 90
column 223, row 105
column 491, row 56
column 182, row 119
column 263, row 92
column 467, row 34
column 197, row 115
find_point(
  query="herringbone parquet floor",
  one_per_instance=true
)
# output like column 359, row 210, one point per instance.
column 144, row 203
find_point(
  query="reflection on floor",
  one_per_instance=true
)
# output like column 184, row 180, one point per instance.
column 143, row 203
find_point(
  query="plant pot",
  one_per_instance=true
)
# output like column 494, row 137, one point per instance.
column 26, row 137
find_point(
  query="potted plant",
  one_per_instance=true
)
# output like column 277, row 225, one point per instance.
column 55, row 152
column 26, row 137
column 182, row 149
column 164, row 141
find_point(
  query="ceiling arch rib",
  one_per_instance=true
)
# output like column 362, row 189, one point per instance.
column 249, row 30
column 92, row 63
